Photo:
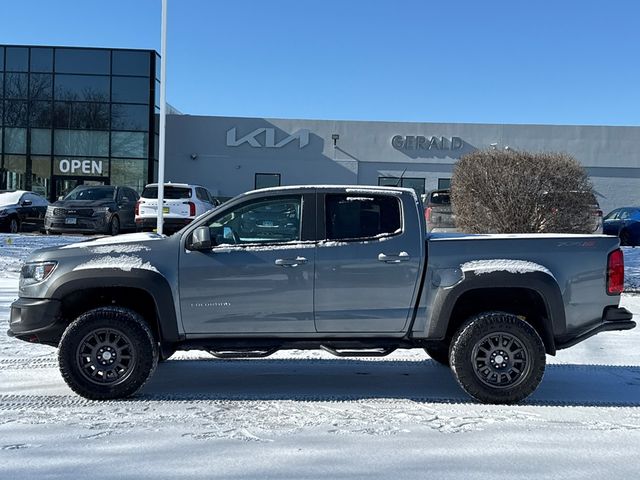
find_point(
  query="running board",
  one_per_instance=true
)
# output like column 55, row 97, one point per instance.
column 377, row 352
column 242, row 353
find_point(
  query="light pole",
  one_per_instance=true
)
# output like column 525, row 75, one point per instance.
column 163, row 113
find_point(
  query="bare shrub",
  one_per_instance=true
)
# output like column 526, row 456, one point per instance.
column 495, row 191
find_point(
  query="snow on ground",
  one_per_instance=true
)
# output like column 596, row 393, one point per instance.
column 307, row 415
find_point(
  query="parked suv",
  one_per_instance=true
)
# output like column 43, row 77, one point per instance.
column 438, row 212
column 624, row 223
column 182, row 203
column 21, row 210
column 93, row 209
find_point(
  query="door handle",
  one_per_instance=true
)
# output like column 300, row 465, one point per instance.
column 290, row 262
column 395, row 258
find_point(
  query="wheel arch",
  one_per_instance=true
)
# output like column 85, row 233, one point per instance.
column 145, row 292
column 533, row 295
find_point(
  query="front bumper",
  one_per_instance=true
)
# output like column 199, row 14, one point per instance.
column 614, row 318
column 97, row 224
column 36, row 320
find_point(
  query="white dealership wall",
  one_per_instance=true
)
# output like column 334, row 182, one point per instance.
column 225, row 153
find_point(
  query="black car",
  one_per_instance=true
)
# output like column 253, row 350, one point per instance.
column 624, row 223
column 21, row 210
column 93, row 209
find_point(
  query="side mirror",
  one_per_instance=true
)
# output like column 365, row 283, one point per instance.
column 201, row 239
column 27, row 203
column 61, row 197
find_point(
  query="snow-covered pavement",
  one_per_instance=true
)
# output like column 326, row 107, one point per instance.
column 301, row 415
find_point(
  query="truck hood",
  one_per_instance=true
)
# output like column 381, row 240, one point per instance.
column 125, row 254
column 103, row 246
column 84, row 203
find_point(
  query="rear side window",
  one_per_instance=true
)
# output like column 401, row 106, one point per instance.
column 170, row 193
column 440, row 198
column 201, row 193
column 351, row 217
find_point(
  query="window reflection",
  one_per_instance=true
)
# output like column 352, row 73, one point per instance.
column 40, row 114
column 130, row 63
column 129, row 144
column 17, row 59
column 41, row 86
column 130, row 90
column 91, row 116
column 16, row 85
column 82, row 87
column 129, row 117
column 15, row 113
column 41, row 59
column 80, row 60
column 81, row 142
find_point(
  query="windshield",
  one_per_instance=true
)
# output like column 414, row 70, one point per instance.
column 170, row 193
column 97, row 193
column 10, row 198
column 440, row 198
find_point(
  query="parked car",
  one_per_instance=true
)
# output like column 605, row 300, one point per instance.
column 624, row 223
column 21, row 210
column 182, row 203
column 93, row 209
column 438, row 212
column 360, row 277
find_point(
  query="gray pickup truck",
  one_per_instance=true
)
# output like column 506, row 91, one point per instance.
column 345, row 269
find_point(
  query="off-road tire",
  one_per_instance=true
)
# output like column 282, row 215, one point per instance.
column 439, row 353
column 480, row 342
column 84, row 345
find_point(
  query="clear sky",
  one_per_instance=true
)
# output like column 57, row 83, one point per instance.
column 484, row 61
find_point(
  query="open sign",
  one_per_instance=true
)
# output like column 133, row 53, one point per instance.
column 77, row 166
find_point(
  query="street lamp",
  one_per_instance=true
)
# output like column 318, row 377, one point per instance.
column 163, row 114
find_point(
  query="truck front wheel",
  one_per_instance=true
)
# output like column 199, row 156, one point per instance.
column 107, row 353
column 497, row 358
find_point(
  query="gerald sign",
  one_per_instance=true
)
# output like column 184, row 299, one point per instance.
column 75, row 166
column 420, row 142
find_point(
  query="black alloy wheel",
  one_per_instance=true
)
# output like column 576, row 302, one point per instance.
column 107, row 353
column 497, row 357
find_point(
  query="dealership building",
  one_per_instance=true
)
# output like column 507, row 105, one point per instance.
column 70, row 116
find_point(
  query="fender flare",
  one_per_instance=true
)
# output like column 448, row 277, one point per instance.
column 154, row 283
column 541, row 283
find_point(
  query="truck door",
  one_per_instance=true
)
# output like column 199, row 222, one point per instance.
column 367, row 266
column 258, row 277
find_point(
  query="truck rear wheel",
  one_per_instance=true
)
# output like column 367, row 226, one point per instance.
column 497, row 358
column 107, row 353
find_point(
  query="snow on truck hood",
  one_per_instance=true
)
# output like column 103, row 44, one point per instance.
column 115, row 242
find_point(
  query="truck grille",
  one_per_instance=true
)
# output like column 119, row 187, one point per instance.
column 78, row 212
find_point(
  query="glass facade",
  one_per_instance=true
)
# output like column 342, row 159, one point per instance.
column 62, row 109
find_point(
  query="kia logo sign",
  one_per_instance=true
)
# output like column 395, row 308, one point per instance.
column 419, row 142
column 266, row 138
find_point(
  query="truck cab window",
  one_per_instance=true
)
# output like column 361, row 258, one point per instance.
column 352, row 217
column 273, row 220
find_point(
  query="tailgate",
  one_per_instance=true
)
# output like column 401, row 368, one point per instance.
column 178, row 208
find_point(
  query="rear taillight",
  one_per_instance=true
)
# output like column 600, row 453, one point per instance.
column 192, row 209
column 427, row 214
column 138, row 207
column 615, row 273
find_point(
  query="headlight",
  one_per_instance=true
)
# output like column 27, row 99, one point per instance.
column 36, row 272
column 101, row 211
column 3, row 213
